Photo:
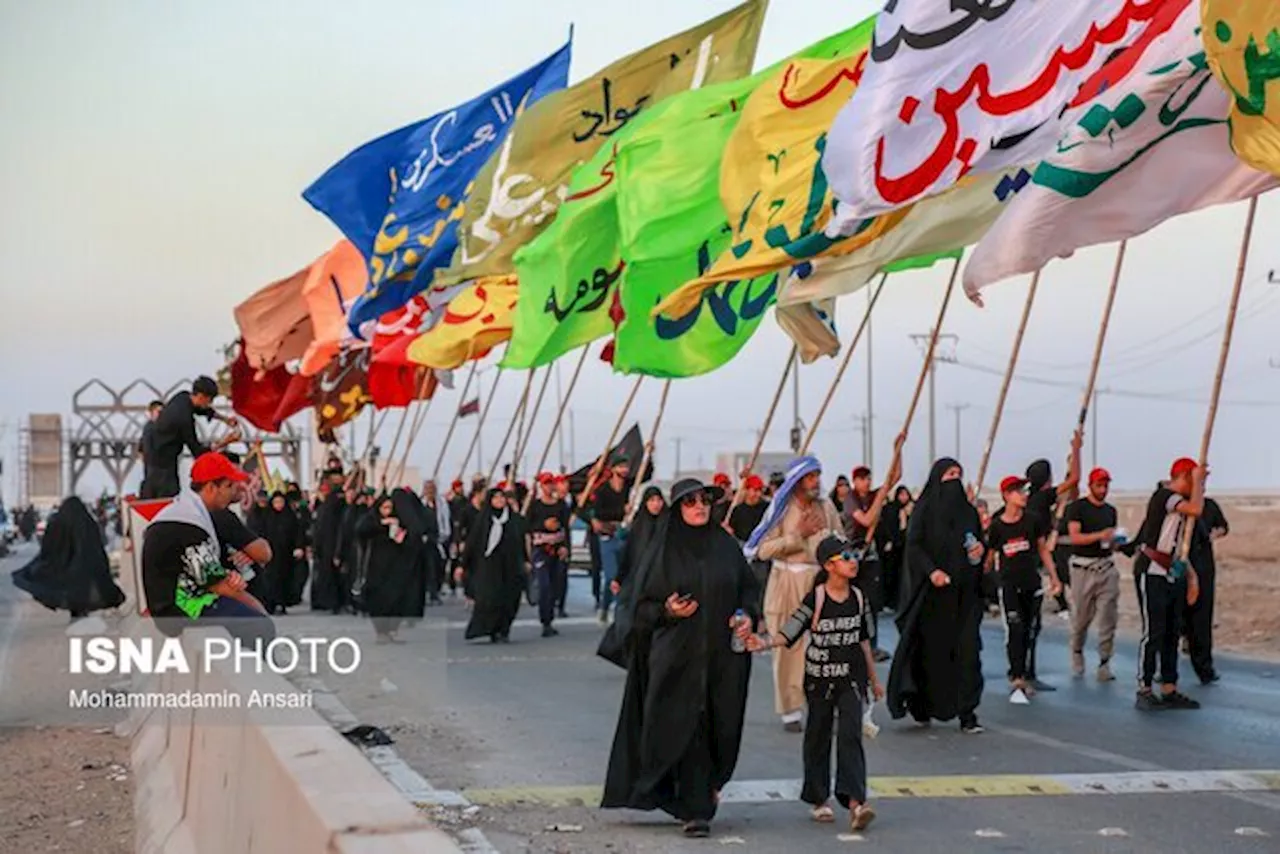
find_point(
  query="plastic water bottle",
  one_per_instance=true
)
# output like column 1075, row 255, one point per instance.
column 969, row 542
column 737, row 644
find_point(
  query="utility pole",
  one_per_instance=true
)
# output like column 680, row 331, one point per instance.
column 678, row 441
column 860, row 424
column 958, row 408
column 1093, row 432
column 797, row 428
column 573, row 444
column 944, row 352
column 560, row 404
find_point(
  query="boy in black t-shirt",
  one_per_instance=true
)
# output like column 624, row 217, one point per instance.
column 1165, row 582
column 839, row 679
column 1095, row 581
column 1018, row 541
column 549, row 548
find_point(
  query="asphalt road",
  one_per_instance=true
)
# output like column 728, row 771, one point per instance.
column 522, row 731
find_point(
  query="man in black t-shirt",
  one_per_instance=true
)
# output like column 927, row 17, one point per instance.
column 183, row 570
column 1197, row 619
column 1164, row 582
column 1095, row 580
column 744, row 519
column 1018, row 542
column 549, row 548
column 857, row 513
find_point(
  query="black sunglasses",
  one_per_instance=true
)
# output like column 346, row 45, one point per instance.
column 696, row 499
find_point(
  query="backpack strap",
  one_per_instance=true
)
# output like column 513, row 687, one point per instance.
column 819, row 596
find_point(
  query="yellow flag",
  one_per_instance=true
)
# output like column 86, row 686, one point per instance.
column 518, row 191
column 1242, row 44
column 475, row 321
column 772, row 183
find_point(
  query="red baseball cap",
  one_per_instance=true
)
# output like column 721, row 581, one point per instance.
column 214, row 466
column 1099, row 475
column 457, row 484
column 1181, row 466
column 721, row 479
column 546, row 477
column 1011, row 483
column 753, row 481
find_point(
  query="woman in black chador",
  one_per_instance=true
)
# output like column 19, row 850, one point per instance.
column 393, row 539
column 493, row 568
column 280, row 528
column 680, row 727
column 327, row 570
column 937, row 668
column 72, row 572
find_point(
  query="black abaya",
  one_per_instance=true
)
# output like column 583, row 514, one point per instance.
column 494, row 579
column 937, row 668
column 72, row 572
column 390, row 565
column 273, row 585
column 327, row 554
column 680, row 727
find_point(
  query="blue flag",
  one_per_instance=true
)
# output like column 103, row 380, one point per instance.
column 400, row 197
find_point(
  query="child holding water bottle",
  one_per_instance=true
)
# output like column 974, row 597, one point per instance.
column 839, row 679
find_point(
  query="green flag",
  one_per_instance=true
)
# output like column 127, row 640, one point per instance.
column 569, row 275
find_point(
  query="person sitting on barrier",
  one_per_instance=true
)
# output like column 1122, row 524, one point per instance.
column 183, row 574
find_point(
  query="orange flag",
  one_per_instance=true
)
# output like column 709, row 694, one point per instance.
column 275, row 324
column 475, row 321
column 333, row 282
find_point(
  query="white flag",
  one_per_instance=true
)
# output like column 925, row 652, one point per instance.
column 1152, row 148
column 970, row 86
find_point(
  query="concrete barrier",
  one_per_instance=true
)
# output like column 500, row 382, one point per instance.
column 250, row 780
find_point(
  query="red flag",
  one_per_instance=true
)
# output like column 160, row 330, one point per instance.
column 395, row 385
column 264, row 400
column 340, row 391
column 607, row 351
column 472, row 408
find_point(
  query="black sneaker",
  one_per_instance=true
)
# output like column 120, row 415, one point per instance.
column 549, row 632
column 880, row 655
column 1147, row 701
column 1178, row 700
column 1210, row 678
column 970, row 726
column 1042, row 687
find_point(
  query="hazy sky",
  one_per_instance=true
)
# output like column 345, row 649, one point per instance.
column 152, row 155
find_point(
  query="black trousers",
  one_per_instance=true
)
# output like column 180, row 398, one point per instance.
column 870, row 581
column 160, row 483
column 1160, row 602
column 1197, row 620
column 1036, row 624
column 593, row 547
column 835, row 712
column 551, row 573
column 1021, row 614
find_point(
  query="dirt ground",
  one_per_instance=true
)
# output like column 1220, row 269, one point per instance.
column 1247, row 611
column 65, row 789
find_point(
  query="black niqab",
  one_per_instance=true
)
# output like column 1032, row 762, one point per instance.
column 72, row 572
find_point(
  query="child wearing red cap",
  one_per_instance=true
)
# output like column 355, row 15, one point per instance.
column 1164, row 582
column 1019, row 543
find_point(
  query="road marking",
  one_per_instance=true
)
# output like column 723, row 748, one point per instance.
column 1113, row 831
column 1251, row 831
column 989, row 833
column 942, row 786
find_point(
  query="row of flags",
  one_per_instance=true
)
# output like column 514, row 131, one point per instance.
column 670, row 201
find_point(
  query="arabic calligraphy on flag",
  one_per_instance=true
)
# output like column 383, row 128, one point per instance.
column 1109, row 178
column 957, row 88
column 519, row 190
column 341, row 390
column 400, row 197
column 475, row 321
column 1242, row 40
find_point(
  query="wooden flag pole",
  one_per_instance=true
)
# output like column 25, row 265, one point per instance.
column 613, row 435
column 523, row 437
column 1004, row 386
column 395, row 442
column 419, row 420
column 511, row 426
column 648, row 452
column 1185, row 547
column 895, row 465
column 457, row 410
column 555, row 427
column 764, row 431
column 1060, row 507
column 844, row 365
column 484, row 416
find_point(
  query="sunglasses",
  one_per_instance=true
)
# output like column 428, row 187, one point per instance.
column 695, row 499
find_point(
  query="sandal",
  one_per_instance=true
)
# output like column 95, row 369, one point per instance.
column 823, row 814
column 861, row 817
column 697, row 829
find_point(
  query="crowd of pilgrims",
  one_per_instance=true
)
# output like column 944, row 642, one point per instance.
column 692, row 579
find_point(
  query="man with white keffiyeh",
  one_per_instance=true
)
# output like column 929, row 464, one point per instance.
column 798, row 519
